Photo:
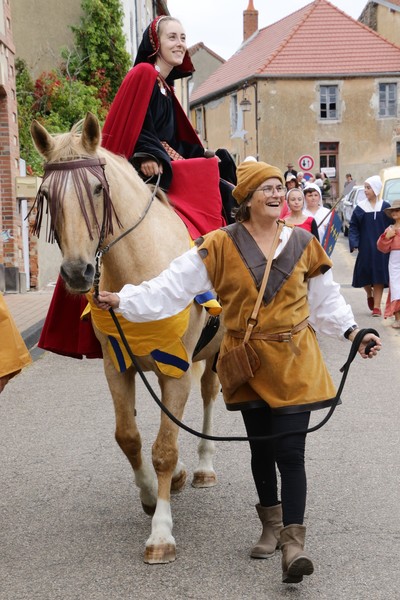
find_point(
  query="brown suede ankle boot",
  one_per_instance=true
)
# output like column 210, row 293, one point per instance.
column 295, row 561
column 271, row 519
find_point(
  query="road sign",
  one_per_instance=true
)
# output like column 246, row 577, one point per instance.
column 306, row 162
column 308, row 176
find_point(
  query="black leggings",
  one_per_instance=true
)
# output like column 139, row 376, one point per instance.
column 287, row 453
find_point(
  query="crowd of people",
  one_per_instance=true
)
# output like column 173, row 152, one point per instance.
column 147, row 125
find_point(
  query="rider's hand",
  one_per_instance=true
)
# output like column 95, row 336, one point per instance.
column 150, row 168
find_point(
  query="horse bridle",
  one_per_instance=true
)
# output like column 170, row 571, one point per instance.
column 88, row 162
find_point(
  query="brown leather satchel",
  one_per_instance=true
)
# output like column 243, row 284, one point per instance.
column 235, row 367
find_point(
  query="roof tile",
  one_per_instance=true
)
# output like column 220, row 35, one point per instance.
column 316, row 40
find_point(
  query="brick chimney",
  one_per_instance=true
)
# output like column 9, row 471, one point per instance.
column 250, row 21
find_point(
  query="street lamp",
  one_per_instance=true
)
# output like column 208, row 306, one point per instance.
column 245, row 105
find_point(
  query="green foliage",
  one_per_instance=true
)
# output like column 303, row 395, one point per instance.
column 54, row 100
column 87, row 81
column 100, row 58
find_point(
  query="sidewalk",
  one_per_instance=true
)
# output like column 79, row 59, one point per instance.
column 29, row 311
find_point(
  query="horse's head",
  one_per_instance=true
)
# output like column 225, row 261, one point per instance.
column 77, row 194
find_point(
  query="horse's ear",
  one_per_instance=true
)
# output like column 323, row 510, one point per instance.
column 91, row 133
column 41, row 138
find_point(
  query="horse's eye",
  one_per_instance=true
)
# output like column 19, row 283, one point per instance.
column 98, row 189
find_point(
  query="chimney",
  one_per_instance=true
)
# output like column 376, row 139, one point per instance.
column 250, row 21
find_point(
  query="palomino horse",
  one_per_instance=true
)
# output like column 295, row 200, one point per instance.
column 77, row 221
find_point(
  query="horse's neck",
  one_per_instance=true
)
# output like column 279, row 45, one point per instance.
column 151, row 245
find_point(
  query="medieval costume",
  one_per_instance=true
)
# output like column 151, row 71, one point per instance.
column 14, row 355
column 366, row 226
column 391, row 246
column 147, row 121
column 300, row 298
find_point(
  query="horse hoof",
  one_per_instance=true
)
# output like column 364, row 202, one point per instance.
column 178, row 481
column 149, row 510
column 163, row 553
column 202, row 479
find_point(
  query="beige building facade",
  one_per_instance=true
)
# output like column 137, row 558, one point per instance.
column 283, row 124
column 384, row 17
column 288, row 95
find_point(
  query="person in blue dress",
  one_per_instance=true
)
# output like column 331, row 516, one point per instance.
column 367, row 223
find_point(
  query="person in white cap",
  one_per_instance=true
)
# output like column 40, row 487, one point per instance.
column 367, row 223
column 313, row 208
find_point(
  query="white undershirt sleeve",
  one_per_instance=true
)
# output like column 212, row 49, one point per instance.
column 329, row 313
column 168, row 293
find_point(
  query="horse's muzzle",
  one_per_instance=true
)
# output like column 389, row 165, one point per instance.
column 78, row 276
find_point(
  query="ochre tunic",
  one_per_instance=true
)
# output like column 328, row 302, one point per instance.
column 287, row 382
column 14, row 355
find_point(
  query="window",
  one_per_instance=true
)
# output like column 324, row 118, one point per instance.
column 388, row 99
column 329, row 102
column 234, row 113
column 199, row 122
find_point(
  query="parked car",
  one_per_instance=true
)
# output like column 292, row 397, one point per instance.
column 390, row 184
column 348, row 205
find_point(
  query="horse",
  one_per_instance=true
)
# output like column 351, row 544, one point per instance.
column 81, row 214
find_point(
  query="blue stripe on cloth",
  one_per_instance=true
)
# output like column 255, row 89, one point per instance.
column 118, row 353
column 170, row 359
column 201, row 298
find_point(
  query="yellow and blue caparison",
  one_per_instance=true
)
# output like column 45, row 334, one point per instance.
column 161, row 339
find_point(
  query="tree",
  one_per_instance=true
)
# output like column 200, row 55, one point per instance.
column 100, row 57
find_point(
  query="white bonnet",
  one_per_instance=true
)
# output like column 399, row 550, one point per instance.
column 313, row 186
column 376, row 183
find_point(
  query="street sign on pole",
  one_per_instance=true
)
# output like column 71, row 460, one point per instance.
column 306, row 162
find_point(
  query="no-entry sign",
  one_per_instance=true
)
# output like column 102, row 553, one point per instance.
column 306, row 162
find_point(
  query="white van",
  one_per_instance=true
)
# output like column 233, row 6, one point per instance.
column 390, row 178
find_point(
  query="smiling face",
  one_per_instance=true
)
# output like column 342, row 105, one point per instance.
column 172, row 43
column 267, row 199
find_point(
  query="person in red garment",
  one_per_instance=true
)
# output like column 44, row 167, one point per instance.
column 148, row 126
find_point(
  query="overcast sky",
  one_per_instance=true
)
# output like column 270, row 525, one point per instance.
column 219, row 23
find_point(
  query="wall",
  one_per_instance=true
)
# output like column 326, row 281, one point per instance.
column 287, row 115
column 388, row 24
column 11, row 253
column 41, row 29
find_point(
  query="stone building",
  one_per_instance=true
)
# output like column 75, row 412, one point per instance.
column 383, row 16
column 317, row 88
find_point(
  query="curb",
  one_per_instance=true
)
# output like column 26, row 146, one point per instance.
column 31, row 337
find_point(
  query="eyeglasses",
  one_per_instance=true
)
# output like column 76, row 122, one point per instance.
column 268, row 190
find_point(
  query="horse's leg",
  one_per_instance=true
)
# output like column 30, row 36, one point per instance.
column 160, row 547
column 204, row 475
column 122, row 387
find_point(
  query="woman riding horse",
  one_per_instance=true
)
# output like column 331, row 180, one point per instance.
column 148, row 126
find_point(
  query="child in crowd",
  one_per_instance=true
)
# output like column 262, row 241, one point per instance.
column 389, row 242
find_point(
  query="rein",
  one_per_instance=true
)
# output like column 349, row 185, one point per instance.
column 100, row 251
column 345, row 370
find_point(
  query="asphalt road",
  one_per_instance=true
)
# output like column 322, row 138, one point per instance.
column 71, row 523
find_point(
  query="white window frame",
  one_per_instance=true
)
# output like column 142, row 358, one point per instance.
column 325, row 90
column 387, row 99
